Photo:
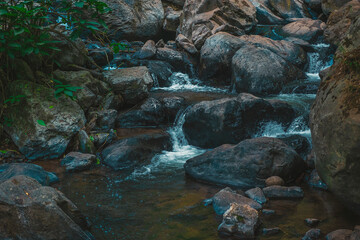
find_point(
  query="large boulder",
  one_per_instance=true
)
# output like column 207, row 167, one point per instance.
column 247, row 164
column 329, row 6
column 132, row 83
column 151, row 113
column 216, row 55
column 9, row 170
column 130, row 152
column 31, row 211
column 134, row 20
column 258, row 70
column 91, row 88
column 335, row 122
column 219, row 49
column 306, row 29
column 40, row 125
column 340, row 21
column 209, row 124
column 265, row 15
column 202, row 17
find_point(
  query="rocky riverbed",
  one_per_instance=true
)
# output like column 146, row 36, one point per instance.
column 218, row 120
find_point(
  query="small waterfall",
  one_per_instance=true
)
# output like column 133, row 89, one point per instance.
column 318, row 61
column 172, row 160
column 182, row 82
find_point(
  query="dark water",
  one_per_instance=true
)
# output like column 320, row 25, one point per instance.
column 168, row 205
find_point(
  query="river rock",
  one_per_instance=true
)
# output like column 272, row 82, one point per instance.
column 271, row 231
column 76, row 161
column 216, row 55
column 186, row 44
column 312, row 234
column 151, row 113
column 132, row 83
column 312, row 222
column 274, row 181
column 9, row 170
column 340, row 234
column 289, row 9
column 209, row 124
column 71, row 53
column 281, row 192
column 172, row 106
column 134, row 20
column 42, row 125
column 329, row 6
column 104, row 139
column 147, row 51
column 112, row 101
column 299, row 143
column 129, row 152
column 247, row 164
column 256, row 194
column 202, row 17
column 172, row 19
column 160, row 71
column 222, row 200
column 85, row 143
column 31, row 211
column 105, row 119
column 285, row 49
column 178, row 60
column 339, row 22
column 179, row 3
column 240, row 220
column 258, row 70
column 265, row 15
column 92, row 88
column 306, row 29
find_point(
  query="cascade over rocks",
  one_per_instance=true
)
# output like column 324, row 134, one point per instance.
column 202, row 17
column 137, row 19
column 247, row 164
column 31, row 211
column 335, row 121
column 62, row 121
column 209, row 124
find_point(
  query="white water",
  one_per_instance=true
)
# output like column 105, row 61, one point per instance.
column 174, row 159
column 316, row 63
column 182, row 82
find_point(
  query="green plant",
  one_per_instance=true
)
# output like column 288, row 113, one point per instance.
column 117, row 47
column 14, row 99
column 65, row 89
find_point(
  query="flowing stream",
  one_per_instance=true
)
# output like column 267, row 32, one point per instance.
column 157, row 201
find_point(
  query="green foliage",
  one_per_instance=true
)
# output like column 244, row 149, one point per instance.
column 92, row 138
column 41, row 122
column 65, row 89
column 117, row 47
column 14, row 99
column 26, row 26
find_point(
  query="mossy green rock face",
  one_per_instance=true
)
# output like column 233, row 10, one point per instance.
column 39, row 124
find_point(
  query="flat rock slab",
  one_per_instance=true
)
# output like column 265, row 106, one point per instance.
column 223, row 199
column 279, row 192
column 76, row 161
column 9, row 170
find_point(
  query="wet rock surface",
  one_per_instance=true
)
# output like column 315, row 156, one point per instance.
column 222, row 200
column 281, row 192
column 237, row 170
column 76, row 161
column 42, row 211
column 9, row 170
